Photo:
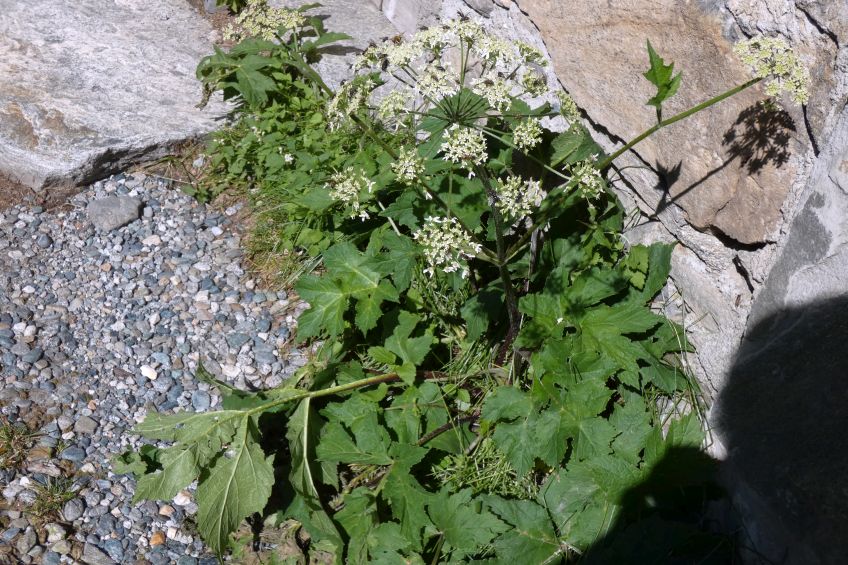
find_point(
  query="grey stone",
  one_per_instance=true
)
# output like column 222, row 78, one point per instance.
column 44, row 241
column 73, row 509
column 73, row 453
column 362, row 21
column 92, row 555
column 200, row 400
column 32, row 355
column 113, row 212
column 74, row 109
column 236, row 340
column 85, row 425
column 26, row 541
column 482, row 7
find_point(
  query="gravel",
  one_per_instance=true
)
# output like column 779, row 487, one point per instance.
column 100, row 325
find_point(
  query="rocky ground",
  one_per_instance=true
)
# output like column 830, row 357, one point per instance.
column 106, row 308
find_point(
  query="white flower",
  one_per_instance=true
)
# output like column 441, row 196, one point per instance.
column 590, row 183
column 258, row 19
column 446, row 246
column 288, row 158
column 393, row 108
column 347, row 187
column 349, row 98
column 535, row 84
column 567, row 107
column 495, row 90
column 771, row 57
column 493, row 49
column 518, row 198
column 527, row 134
column 409, row 167
column 436, row 82
column 465, row 146
column 530, row 54
column 466, row 30
column 402, row 54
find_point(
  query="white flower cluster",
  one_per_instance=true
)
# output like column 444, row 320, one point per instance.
column 527, row 134
column 393, row 108
column 435, row 81
column 464, row 146
column 446, row 246
column 258, row 19
column 771, row 57
column 590, row 183
column 496, row 91
column 568, row 107
column 409, row 167
column 517, row 198
column 349, row 99
column 495, row 68
column 347, row 187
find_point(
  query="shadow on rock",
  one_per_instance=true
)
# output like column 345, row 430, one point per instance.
column 783, row 418
column 759, row 137
column 677, row 516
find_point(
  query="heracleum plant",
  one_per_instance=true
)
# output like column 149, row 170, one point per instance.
column 487, row 384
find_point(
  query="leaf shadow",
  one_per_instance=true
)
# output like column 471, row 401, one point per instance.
column 759, row 137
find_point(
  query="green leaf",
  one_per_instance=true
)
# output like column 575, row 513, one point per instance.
column 465, row 525
column 533, row 539
column 238, row 484
column 368, row 447
column 585, row 498
column 302, row 435
column 411, row 350
column 136, row 462
column 408, row 501
column 327, row 304
column 660, row 75
column 573, row 145
column 481, row 310
column 179, row 469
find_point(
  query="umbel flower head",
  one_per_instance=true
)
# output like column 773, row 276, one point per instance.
column 517, row 198
column 446, row 246
column 590, row 183
column 260, row 20
column 408, row 167
column 347, row 187
column 772, row 58
column 439, row 61
column 349, row 99
column 527, row 134
column 464, row 146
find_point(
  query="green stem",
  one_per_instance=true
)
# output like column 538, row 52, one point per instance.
column 676, row 118
column 369, row 381
column 509, row 291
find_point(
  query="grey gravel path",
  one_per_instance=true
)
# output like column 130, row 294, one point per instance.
column 98, row 326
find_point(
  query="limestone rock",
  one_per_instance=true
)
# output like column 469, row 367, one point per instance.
column 728, row 168
column 113, row 212
column 89, row 86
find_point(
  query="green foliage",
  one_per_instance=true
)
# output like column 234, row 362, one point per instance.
column 488, row 381
column 234, row 6
column 662, row 76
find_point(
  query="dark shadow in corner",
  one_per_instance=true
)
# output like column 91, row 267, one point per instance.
column 677, row 516
column 783, row 417
column 759, row 137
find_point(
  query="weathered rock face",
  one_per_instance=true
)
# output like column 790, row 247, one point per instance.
column 733, row 164
column 89, row 86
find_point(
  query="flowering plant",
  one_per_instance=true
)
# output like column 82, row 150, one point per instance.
column 492, row 381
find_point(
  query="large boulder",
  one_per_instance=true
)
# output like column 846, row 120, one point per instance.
column 89, row 86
